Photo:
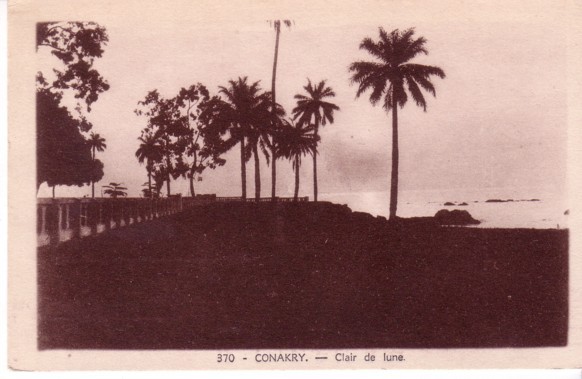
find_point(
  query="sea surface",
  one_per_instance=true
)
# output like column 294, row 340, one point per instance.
column 547, row 213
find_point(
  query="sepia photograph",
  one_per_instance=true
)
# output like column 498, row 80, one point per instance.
column 268, row 186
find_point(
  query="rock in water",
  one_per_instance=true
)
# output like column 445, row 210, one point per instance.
column 448, row 204
column 455, row 217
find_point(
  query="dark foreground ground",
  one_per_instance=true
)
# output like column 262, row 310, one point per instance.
column 230, row 276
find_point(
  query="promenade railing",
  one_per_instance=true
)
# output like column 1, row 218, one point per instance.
column 62, row 219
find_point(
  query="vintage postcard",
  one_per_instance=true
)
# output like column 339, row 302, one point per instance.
column 294, row 185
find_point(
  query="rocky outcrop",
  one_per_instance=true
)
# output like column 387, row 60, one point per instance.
column 455, row 217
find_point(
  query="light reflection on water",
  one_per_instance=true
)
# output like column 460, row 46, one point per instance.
column 548, row 213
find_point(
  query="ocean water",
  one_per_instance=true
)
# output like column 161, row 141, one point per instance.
column 547, row 213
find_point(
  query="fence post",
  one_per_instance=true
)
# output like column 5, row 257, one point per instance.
column 75, row 218
column 125, row 211
column 93, row 216
column 52, row 223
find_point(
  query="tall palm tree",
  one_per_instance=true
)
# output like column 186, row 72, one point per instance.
column 312, row 109
column 295, row 141
column 149, row 150
column 96, row 143
column 240, row 97
column 277, row 26
column 386, row 77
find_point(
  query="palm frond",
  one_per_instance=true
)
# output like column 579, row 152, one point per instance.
column 416, row 93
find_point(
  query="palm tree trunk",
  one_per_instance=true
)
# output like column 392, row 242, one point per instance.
column 273, row 93
column 274, row 77
column 257, row 174
column 150, row 183
column 243, row 168
column 169, row 175
column 93, row 182
column 54, row 191
column 394, row 176
column 315, row 165
column 296, row 195
column 273, row 172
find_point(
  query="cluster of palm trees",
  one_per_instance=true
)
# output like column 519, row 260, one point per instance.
column 190, row 132
column 243, row 115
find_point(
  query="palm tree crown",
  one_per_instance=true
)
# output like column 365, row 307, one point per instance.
column 312, row 108
column 389, row 74
column 149, row 150
column 96, row 142
column 296, row 141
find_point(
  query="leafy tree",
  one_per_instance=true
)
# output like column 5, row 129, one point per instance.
column 96, row 143
column 63, row 156
column 276, row 24
column 388, row 76
column 76, row 45
column 296, row 141
column 115, row 190
column 150, row 151
column 312, row 109
column 160, row 117
column 185, row 147
column 199, row 148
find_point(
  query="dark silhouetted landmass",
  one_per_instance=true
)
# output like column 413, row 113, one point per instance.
column 455, row 217
column 303, row 275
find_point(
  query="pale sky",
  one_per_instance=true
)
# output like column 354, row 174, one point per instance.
column 499, row 118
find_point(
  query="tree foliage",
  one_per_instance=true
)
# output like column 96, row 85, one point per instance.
column 63, row 154
column 175, row 141
column 115, row 190
column 296, row 141
column 76, row 45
